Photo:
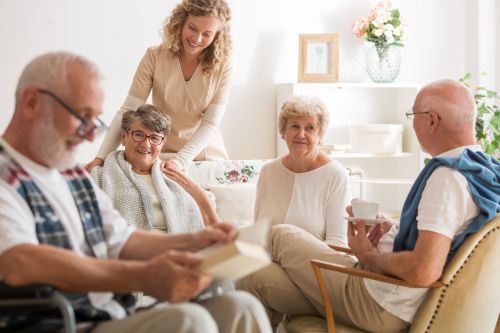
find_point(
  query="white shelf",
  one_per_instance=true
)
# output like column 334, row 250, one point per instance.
column 369, row 85
column 369, row 155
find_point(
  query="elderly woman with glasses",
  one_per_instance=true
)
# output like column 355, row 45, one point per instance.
column 138, row 188
column 305, row 188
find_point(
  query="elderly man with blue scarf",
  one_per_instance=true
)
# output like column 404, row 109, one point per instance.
column 456, row 193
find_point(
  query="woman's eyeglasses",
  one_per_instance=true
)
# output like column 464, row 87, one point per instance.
column 139, row 136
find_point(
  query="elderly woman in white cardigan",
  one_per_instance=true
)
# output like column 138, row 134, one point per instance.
column 139, row 190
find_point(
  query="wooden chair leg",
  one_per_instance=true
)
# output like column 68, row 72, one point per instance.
column 330, row 321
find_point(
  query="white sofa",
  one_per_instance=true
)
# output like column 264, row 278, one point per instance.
column 233, row 184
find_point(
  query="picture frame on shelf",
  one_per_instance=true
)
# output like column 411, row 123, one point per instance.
column 319, row 57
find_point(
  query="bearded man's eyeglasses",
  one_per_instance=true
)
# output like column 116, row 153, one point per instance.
column 87, row 125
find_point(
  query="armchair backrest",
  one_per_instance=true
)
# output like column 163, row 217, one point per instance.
column 470, row 299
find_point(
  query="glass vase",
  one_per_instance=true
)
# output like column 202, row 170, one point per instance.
column 382, row 63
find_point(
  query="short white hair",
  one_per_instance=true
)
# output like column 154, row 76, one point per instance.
column 49, row 71
column 303, row 106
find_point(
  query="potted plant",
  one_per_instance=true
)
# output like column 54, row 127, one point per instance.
column 488, row 117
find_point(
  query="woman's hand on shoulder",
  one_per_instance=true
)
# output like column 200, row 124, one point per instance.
column 183, row 180
column 95, row 162
column 169, row 165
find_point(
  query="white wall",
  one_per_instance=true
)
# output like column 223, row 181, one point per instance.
column 115, row 34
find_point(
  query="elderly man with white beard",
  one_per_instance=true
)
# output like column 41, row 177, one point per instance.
column 57, row 228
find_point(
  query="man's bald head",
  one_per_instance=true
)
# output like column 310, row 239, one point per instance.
column 447, row 116
column 450, row 100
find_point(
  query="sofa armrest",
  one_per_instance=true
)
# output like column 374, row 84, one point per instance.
column 235, row 202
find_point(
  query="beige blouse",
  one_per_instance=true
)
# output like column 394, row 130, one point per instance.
column 196, row 107
column 314, row 201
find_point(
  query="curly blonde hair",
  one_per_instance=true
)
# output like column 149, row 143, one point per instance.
column 219, row 49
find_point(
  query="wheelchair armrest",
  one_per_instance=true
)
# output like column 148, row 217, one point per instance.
column 29, row 291
column 30, row 305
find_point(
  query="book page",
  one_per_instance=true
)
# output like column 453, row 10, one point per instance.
column 240, row 258
column 256, row 233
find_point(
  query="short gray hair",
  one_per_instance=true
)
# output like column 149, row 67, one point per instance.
column 150, row 116
column 303, row 106
column 49, row 71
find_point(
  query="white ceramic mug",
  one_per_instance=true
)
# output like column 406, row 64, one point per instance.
column 365, row 209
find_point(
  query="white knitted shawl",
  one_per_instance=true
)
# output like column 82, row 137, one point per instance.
column 131, row 197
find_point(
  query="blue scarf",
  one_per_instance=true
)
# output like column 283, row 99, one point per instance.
column 482, row 173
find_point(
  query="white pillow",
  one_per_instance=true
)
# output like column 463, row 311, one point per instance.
column 235, row 202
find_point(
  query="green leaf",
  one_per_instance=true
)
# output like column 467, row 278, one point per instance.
column 395, row 22
column 465, row 79
column 488, row 117
column 491, row 93
column 395, row 13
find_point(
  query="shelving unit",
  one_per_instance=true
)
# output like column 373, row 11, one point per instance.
column 387, row 178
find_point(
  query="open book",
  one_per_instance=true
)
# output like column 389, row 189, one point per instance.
column 240, row 258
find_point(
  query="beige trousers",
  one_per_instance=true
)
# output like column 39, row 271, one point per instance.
column 288, row 287
column 236, row 312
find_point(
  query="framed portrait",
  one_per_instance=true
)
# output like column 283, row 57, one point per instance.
column 319, row 58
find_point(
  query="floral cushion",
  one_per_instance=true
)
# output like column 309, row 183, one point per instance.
column 233, row 183
column 226, row 172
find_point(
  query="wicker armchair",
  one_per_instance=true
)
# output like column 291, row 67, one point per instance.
column 465, row 299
